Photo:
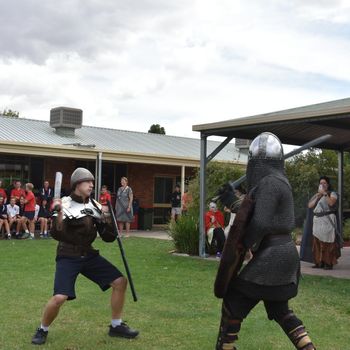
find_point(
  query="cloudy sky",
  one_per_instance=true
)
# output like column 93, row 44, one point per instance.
column 131, row 63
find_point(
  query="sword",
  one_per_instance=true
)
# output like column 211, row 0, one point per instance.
column 58, row 186
column 312, row 143
column 115, row 226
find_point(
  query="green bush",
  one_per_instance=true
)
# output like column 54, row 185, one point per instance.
column 185, row 233
column 346, row 230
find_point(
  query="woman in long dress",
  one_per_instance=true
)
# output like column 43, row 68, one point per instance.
column 123, row 206
column 324, row 247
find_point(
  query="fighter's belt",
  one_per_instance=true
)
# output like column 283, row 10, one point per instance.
column 234, row 252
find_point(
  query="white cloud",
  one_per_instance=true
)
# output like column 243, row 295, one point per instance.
column 131, row 64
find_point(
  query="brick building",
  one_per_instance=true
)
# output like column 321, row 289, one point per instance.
column 33, row 150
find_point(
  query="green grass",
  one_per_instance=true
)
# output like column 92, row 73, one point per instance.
column 176, row 307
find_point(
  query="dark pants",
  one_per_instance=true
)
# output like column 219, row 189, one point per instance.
column 218, row 239
column 236, row 307
column 239, row 306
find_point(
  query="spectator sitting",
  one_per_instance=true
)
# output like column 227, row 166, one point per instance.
column 12, row 212
column 17, row 192
column 214, row 224
column 3, row 192
column 3, row 217
column 29, row 212
column 104, row 197
column 43, row 217
column 46, row 192
column 21, row 217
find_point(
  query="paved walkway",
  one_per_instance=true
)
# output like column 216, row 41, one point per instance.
column 341, row 270
column 158, row 234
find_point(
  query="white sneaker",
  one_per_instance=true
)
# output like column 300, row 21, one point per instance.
column 9, row 236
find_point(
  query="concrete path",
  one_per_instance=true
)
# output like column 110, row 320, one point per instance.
column 158, row 234
column 341, row 270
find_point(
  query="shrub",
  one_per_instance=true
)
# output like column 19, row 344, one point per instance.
column 346, row 230
column 185, row 233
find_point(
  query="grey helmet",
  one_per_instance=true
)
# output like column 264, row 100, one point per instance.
column 266, row 146
column 80, row 175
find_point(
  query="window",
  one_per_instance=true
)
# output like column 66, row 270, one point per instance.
column 163, row 188
column 14, row 168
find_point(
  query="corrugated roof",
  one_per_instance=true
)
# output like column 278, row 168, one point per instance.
column 22, row 130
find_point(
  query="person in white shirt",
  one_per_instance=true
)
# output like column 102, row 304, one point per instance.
column 12, row 212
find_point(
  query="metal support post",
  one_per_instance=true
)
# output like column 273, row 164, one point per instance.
column 202, row 194
column 340, row 188
column 98, row 175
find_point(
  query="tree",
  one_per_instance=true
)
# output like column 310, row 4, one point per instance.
column 304, row 171
column 156, row 129
column 10, row 113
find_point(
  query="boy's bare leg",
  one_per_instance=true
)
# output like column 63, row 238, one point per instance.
column 52, row 309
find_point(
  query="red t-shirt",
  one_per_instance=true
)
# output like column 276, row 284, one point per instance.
column 104, row 198
column 3, row 193
column 218, row 221
column 17, row 192
column 30, row 205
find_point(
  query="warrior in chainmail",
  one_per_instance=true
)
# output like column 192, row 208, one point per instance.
column 272, row 274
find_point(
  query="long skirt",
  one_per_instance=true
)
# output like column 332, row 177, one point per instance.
column 324, row 252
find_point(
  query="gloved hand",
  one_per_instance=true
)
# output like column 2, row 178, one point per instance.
column 226, row 195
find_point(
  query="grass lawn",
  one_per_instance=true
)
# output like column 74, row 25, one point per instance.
column 176, row 307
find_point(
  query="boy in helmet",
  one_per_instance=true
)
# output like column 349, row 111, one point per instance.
column 272, row 275
column 75, row 225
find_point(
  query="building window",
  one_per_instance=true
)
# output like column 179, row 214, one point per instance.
column 14, row 168
column 163, row 188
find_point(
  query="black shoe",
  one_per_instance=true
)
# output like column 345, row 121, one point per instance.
column 316, row 266
column 122, row 331
column 39, row 337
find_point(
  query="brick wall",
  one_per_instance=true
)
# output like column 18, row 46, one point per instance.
column 141, row 179
column 65, row 165
column 140, row 176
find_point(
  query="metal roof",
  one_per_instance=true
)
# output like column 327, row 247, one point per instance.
column 29, row 131
column 294, row 126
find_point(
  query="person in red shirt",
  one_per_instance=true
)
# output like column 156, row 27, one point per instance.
column 214, row 228
column 3, row 193
column 17, row 192
column 104, row 197
column 186, row 201
column 29, row 212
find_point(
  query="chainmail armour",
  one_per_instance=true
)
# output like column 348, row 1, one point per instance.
column 275, row 261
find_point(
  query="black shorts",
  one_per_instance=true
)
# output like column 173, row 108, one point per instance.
column 94, row 267
column 29, row 215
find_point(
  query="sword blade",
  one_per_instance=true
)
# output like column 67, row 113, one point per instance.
column 58, row 185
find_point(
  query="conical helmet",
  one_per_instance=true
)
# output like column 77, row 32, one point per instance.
column 80, row 175
column 266, row 146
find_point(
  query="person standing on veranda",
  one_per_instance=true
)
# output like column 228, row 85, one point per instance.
column 123, row 206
